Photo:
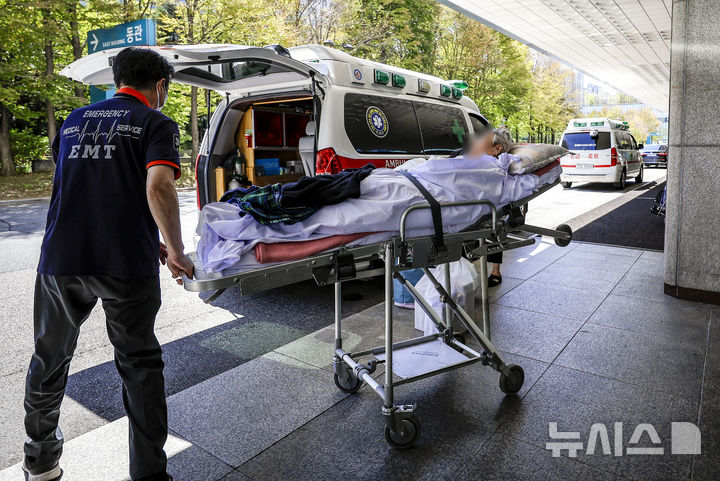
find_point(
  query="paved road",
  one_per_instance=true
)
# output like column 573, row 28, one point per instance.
column 199, row 340
column 559, row 205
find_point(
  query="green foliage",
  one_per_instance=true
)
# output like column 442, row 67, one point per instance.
column 26, row 147
column 177, row 108
column 398, row 32
column 508, row 83
column 550, row 107
column 494, row 66
column 640, row 122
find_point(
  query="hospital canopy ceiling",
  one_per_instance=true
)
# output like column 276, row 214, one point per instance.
column 624, row 43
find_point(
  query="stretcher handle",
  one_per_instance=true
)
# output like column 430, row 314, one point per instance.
column 414, row 207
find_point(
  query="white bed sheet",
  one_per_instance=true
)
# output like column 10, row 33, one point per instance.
column 227, row 239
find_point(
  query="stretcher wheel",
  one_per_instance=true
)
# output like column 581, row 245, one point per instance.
column 400, row 440
column 511, row 384
column 568, row 230
column 349, row 387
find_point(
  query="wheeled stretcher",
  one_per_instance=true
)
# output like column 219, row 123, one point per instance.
column 503, row 229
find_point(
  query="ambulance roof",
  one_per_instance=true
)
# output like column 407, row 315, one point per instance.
column 345, row 69
column 596, row 123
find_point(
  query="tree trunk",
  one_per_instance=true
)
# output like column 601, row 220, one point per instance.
column 77, row 45
column 194, row 128
column 49, row 73
column 8, row 166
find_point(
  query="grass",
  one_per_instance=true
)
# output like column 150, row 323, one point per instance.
column 31, row 186
column 187, row 177
column 26, row 186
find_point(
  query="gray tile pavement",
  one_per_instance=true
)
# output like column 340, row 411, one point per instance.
column 599, row 343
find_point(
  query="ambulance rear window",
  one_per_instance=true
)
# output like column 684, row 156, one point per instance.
column 381, row 125
column 232, row 71
column 584, row 141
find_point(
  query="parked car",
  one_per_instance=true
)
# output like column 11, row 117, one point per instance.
column 601, row 150
column 307, row 110
column 655, row 155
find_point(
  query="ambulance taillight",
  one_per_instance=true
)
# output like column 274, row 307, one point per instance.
column 327, row 162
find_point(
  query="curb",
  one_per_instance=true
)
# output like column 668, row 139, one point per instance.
column 38, row 199
column 15, row 201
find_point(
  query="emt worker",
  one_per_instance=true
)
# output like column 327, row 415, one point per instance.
column 116, row 162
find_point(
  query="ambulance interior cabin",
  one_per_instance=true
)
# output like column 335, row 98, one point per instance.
column 264, row 142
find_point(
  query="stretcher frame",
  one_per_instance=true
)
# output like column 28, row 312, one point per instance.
column 503, row 229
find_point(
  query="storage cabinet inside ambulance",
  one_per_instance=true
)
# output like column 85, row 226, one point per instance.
column 272, row 141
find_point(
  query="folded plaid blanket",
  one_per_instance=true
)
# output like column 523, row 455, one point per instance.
column 264, row 204
column 296, row 201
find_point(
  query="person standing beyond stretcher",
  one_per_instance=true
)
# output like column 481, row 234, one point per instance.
column 116, row 162
column 491, row 142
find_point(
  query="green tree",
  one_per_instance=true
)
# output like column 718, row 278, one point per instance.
column 315, row 21
column 550, row 104
column 397, row 32
column 640, row 121
column 18, row 52
column 212, row 21
column 494, row 66
column 40, row 37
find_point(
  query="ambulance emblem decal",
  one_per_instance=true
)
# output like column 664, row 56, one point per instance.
column 377, row 122
column 358, row 74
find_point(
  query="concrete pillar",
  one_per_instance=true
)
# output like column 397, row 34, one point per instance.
column 692, row 225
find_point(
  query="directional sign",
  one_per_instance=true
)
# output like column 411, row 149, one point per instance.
column 139, row 32
column 130, row 34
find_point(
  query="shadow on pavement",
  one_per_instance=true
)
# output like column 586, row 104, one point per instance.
column 269, row 320
column 630, row 225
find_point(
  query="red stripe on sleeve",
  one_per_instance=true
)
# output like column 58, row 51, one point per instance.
column 166, row 162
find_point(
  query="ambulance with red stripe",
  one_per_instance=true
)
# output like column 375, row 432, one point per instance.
column 307, row 110
column 602, row 150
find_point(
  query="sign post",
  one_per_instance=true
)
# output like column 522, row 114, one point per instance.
column 129, row 34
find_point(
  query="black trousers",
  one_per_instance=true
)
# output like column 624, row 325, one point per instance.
column 62, row 304
column 495, row 258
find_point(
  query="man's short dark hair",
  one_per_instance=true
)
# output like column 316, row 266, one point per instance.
column 140, row 68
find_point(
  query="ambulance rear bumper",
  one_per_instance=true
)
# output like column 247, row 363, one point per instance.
column 607, row 175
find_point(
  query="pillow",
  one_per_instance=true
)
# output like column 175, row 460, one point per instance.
column 534, row 156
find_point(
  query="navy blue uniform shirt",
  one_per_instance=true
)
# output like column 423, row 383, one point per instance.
column 99, row 222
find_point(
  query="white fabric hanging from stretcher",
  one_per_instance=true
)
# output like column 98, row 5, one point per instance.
column 226, row 239
column 463, row 284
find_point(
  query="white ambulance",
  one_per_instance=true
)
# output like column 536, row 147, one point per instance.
column 602, row 150
column 307, row 110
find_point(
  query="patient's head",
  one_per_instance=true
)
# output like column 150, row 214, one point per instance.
column 490, row 142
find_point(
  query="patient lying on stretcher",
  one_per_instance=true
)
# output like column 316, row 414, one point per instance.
column 228, row 237
column 491, row 142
